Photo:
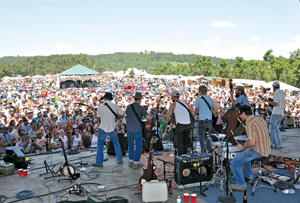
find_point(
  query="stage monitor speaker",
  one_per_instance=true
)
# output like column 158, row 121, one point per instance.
column 123, row 144
column 193, row 168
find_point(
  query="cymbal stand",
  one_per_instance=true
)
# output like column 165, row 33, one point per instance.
column 221, row 172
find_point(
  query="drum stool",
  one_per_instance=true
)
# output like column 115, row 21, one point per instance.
column 257, row 180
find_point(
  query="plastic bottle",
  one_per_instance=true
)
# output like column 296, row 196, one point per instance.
column 178, row 199
column 28, row 168
column 169, row 145
column 198, row 148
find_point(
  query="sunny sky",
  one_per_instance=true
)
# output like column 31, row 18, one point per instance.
column 220, row 28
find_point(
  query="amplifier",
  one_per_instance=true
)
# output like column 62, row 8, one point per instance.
column 193, row 168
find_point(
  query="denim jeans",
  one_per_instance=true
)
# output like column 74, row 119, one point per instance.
column 243, row 159
column 135, row 156
column 274, row 129
column 114, row 139
column 203, row 127
column 182, row 136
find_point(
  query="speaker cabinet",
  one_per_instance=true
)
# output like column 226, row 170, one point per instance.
column 193, row 168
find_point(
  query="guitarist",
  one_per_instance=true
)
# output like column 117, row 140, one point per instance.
column 135, row 112
column 204, row 107
column 278, row 104
column 107, row 113
column 183, row 122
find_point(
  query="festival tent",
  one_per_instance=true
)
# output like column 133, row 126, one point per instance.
column 79, row 70
column 283, row 86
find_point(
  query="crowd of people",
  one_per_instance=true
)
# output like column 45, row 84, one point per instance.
column 39, row 117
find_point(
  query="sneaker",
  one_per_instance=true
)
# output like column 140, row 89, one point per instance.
column 139, row 165
column 249, row 180
column 120, row 162
column 272, row 146
column 278, row 147
column 238, row 187
column 105, row 159
column 130, row 164
column 97, row 165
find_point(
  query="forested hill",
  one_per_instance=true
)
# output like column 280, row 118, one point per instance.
column 268, row 69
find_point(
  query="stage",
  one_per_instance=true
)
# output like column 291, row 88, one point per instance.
column 119, row 180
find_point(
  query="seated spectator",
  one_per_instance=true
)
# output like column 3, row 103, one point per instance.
column 55, row 143
column 41, row 140
column 76, row 139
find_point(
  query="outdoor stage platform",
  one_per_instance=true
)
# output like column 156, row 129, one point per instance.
column 119, row 180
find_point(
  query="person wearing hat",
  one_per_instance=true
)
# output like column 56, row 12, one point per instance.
column 134, row 129
column 257, row 146
column 183, row 122
column 205, row 113
column 41, row 142
column 278, row 104
column 240, row 95
column 107, row 114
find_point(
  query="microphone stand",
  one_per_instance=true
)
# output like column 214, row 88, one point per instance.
column 156, row 132
column 226, row 198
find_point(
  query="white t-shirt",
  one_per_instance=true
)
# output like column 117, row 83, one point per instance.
column 76, row 141
column 42, row 142
column 279, row 98
column 94, row 141
column 56, row 142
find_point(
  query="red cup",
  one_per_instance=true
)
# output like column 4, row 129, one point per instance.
column 186, row 197
column 20, row 171
column 25, row 173
column 194, row 197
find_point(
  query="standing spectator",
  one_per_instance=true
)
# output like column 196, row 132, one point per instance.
column 277, row 114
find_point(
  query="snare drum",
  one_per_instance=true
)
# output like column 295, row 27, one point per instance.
column 233, row 152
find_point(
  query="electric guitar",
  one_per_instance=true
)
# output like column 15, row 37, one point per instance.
column 66, row 169
column 149, row 171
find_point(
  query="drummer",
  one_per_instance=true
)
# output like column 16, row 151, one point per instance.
column 258, row 146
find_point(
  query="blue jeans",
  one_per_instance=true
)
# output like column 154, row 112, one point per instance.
column 243, row 159
column 135, row 156
column 274, row 129
column 114, row 139
column 204, row 126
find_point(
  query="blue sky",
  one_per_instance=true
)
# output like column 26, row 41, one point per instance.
column 224, row 29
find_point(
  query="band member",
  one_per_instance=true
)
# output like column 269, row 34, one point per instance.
column 277, row 114
column 183, row 124
column 106, row 113
column 241, row 99
column 258, row 146
column 240, row 95
column 205, row 117
column 134, row 129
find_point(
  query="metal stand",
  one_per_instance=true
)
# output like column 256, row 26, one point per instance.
column 48, row 169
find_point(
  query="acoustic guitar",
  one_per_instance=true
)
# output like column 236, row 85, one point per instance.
column 66, row 169
column 148, row 173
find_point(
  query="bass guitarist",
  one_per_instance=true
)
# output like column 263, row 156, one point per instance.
column 183, row 122
column 134, row 114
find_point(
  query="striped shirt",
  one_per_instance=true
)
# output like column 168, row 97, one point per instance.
column 257, row 130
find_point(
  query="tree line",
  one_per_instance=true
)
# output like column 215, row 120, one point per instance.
column 269, row 68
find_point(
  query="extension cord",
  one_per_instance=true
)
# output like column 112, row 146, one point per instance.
column 101, row 188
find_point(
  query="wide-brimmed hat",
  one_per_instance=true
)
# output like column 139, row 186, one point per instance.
column 108, row 96
column 138, row 96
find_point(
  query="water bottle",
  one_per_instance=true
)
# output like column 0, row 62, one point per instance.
column 178, row 199
column 169, row 145
column 28, row 168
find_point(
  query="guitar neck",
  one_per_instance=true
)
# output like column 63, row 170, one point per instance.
column 64, row 151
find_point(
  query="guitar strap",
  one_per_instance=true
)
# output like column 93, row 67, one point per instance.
column 136, row 115
column 206, row 102
column 191, row 116
column 111, row 110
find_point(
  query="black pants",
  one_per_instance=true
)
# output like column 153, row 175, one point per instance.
column 182, row 135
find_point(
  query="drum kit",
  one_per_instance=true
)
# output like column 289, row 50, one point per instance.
column 221, row 156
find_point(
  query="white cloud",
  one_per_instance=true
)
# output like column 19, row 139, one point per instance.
column 255, row 38
column 99, row 38
column 222, row 23
column 214, row 40
column 285, row 48
column 62, row 46
column 179, row 33
column 253, row 47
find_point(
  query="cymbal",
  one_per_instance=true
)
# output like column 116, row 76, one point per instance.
column 241, row 137
column 219, row 136
column 221, row 144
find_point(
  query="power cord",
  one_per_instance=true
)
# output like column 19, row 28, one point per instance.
column 22, row 195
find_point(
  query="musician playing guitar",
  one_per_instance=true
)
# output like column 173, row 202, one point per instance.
column 135, row 113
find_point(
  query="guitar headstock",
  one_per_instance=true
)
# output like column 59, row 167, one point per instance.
column 230, row 84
